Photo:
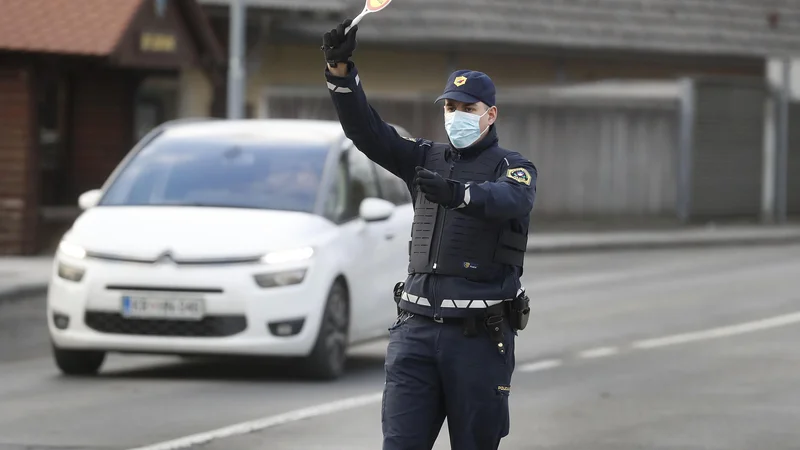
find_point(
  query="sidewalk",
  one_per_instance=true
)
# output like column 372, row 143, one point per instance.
column 671, row 238
column 21, row 275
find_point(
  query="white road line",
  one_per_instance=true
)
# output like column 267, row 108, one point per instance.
column 598, row 352
column 267, row 422
column 541, row 365
column 715, row 333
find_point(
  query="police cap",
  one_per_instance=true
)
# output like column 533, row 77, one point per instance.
column 469, row 86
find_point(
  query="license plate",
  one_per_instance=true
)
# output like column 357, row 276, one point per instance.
column 166, row 307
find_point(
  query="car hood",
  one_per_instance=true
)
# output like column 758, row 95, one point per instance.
column 193, row 233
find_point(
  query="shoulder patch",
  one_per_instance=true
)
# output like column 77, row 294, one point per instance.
column 519, row 175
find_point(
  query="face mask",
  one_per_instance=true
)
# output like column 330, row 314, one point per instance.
column 463, row 128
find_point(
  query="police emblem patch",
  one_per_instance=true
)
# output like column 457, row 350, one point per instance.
column 520, row 175
column 460, row 81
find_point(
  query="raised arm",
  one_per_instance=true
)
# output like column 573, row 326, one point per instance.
column 361, row 123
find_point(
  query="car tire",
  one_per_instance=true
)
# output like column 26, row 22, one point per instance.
column 78, row 362
column 328, row 357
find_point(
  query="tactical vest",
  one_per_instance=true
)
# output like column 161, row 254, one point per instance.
column 450, row 242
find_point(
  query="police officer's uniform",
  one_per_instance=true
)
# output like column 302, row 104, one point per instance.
column 451, row 351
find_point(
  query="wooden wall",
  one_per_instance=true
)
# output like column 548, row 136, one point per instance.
column 18, row 164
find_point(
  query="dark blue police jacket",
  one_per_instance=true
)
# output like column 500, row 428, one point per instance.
column 506, row 199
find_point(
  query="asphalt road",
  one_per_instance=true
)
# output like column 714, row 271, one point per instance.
column 593, row 371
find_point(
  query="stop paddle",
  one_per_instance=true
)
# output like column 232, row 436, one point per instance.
column 370, row 7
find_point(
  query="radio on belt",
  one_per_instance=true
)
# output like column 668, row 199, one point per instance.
column 520, row 311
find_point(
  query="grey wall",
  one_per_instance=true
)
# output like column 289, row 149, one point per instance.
column 607, row 157
column 598, row 160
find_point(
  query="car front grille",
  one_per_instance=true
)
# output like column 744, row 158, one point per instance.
column 210, row 326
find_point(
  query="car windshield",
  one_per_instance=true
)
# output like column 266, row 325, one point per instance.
column 208, row 172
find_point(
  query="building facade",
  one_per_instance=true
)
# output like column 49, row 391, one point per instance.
column 634, row 155
column 79, row 86
column 80, row 82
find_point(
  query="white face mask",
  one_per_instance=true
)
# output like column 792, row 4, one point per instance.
column 463, row 128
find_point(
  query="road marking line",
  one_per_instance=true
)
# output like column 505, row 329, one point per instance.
column 541, row 365
column 598, row 352
column 267, row 422
column 715, row 333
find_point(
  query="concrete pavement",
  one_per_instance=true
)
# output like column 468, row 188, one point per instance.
column 700, row 236
column 601, row 387
column 19, row 275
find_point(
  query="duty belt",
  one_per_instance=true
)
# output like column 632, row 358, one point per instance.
column 489, row 313
column 491, row 318
column 456, row 304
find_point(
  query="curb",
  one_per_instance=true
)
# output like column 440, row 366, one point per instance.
column 665, row 243
column 22, row 290
column 565, row 244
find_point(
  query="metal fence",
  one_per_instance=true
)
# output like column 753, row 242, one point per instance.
column 685, row 149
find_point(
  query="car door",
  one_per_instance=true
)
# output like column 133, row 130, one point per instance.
column 399, row 225
column 362, row 244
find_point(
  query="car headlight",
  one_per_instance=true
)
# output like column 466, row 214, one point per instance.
column 285, row 278
column 72, row 250
column 286, row 256
column 70, row 272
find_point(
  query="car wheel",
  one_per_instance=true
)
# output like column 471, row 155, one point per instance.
column 328, row 357
column 78, row 362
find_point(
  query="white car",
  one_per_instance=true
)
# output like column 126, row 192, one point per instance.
column 218, row 237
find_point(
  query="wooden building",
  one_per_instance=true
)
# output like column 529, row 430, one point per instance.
column 80, row 81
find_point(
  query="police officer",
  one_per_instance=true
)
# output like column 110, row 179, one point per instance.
column 451, row 350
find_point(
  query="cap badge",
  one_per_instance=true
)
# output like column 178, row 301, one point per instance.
column 460, row 81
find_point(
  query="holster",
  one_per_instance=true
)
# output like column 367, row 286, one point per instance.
column 493, row 326
column 398, row 292
column 519, row 311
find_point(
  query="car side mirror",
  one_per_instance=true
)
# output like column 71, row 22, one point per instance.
column 89, row 199
column 375, row 209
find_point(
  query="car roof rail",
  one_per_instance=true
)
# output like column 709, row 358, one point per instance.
column 163, row 126
column 183, row 120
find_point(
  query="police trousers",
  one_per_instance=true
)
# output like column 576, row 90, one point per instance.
column 433, row 372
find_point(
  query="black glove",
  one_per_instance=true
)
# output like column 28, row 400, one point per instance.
column 337, row 46
column 447, row 193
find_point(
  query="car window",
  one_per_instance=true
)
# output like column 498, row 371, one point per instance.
column 335, row 207
column 393, row 188
column 363, row 181
column 219, row 172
